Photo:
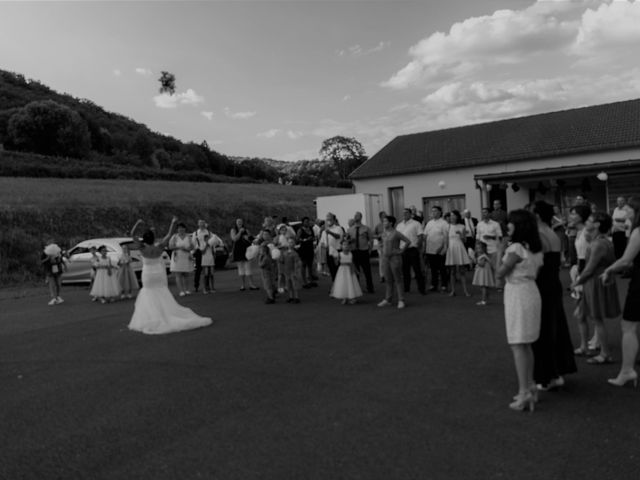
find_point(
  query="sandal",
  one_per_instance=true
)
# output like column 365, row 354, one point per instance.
column 581, row 352
column 600, row 360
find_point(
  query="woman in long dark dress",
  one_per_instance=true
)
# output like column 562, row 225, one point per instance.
column 553, row 351
column 631, row 312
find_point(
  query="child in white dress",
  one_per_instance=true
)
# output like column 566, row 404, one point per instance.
column 483, row 276
column 346, row 286
column 105, row 286
column 208, row 262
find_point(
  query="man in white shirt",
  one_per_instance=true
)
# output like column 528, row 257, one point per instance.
column 490, row 232
column 411, row 255
column 620, row 217
column 436, row 236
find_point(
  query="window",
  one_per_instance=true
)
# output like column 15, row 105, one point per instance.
column 448, row 203
column 396, row 201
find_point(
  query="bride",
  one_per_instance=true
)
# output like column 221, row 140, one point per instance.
column 156, row 311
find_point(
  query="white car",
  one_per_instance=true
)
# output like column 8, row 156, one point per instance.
column 79, row 258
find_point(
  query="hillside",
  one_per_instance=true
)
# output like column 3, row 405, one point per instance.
column 44, row 129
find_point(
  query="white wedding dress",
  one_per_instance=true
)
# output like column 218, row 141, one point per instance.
column 156, row 309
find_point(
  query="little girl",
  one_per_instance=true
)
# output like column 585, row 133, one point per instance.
column 105, row 285
column 346, row 285
column 291, row 270
column 126, row 276
column 483, row 275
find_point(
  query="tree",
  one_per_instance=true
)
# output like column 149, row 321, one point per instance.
column 142, row 146
column 49, row 128
column 167, row 83
column 345, row 153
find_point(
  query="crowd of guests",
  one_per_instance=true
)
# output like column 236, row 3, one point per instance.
column 521, row 252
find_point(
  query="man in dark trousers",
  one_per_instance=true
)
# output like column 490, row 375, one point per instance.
column 362, row 242
column 470, row 224
column 411, row 255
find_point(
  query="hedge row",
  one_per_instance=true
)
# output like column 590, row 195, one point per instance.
column 14, row 164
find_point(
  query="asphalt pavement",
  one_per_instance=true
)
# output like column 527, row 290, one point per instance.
column 316, row 390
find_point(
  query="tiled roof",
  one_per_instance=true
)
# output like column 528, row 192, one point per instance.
column 579, row 130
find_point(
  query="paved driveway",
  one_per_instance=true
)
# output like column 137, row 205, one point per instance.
column 310, row 391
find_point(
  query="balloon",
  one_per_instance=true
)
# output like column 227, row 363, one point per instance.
column 252, row 252
column 52, row 250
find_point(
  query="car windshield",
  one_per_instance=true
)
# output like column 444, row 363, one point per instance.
column 87, row 249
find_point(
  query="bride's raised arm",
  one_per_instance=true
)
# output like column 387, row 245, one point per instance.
column 136, row 241
column 135, row 226
column 166, row 238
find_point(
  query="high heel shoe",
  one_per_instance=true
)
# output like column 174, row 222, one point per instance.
column 554, row 384
column 523, row 402
column 623, row 378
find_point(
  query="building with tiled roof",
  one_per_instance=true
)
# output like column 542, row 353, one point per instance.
column 594, row 151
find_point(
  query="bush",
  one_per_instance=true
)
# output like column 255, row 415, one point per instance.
column 48, row 128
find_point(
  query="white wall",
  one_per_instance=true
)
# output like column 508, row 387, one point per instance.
column 460, row 181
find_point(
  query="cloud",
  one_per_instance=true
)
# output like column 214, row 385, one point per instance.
column 117, row 72
column 238, row 115
column 608, row 31
column 357, row 50
column 506, row 37
column 549, row 56
column 143, row 71
column 207, row 115
column 190, row 97
column 294, row 135
column 275, row 132
column 269, row 133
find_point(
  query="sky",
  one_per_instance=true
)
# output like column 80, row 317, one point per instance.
column 273, row 79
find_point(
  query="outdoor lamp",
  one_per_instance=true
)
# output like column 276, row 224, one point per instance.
column 602, row 176
column 442, row 184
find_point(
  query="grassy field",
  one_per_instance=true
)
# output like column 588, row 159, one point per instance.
column 61, row 192
column 70, row 210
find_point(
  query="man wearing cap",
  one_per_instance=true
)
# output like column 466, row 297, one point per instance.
column 411, row 255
